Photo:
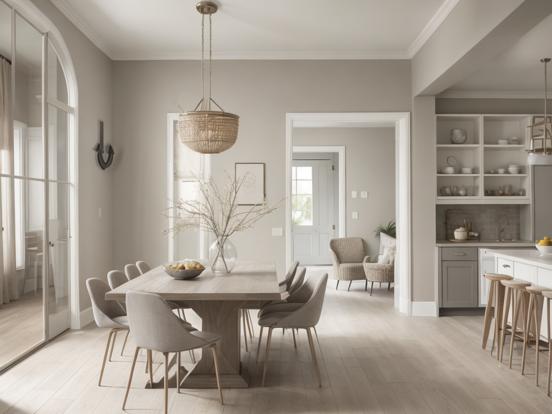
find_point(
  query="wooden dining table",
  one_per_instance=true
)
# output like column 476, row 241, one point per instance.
column 217, row 299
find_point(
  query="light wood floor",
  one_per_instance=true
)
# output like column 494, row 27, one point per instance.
column 373, row 360
column 21, row 326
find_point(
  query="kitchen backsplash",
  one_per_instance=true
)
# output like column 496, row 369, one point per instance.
column 492, row 222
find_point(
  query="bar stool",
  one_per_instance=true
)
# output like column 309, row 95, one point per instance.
column 533, row 319
column 516, row 297
column 547, row 294
column 494, row 307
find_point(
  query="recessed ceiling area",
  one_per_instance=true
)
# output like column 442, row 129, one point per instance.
column 516, row 72
column 245, row 29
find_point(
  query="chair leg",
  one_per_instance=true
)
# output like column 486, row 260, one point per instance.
column 105, row 357
column 527, row 331
column 337, row 285
column 499, row 305
column 349, row 288
column 294, row 340
column 537, row 338
column 192, row 356
column 371, row 288
column 515, row 317
column 112, row 345
column 125, row 341
column 178, row 365
column 259, row 345
column 217, row 375
column 549, row 345
column 244, row 331
column 166, row 383
column 366, row 285
column 504, row 323
column 488, row 316
column 314, row 360
column 266, row 354
column 249, row 324
column 150, row 365
column 136, row 352
column 388, row 286
column 317, row 340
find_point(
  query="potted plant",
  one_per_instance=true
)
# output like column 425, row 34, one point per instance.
column 389, row 228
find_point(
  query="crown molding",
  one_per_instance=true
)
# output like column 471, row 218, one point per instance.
column 68, row 11
column 272, row 55
column 431, row 27
column 491, row 94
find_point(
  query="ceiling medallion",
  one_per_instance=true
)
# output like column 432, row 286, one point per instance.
column 206, row 129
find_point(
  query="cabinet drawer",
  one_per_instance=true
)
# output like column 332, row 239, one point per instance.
column 459, row 253
column 505, row 267
column 459, row 284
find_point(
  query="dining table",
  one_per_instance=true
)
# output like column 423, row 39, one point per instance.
column 218, row 300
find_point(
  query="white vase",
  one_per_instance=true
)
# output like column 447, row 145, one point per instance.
column 222, row 256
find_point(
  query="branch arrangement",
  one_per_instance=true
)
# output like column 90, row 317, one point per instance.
column 217, row 210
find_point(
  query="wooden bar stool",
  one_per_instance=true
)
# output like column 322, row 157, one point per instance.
column 547, row 294
column 533, row 320
column 516, row 298
column 494, row 307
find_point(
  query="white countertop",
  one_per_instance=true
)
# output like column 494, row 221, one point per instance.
column 485, row 243
column 528, row 256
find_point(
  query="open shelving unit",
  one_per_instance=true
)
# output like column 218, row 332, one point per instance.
column 483, row 153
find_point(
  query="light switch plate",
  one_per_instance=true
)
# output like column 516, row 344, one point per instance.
column 353, row 194
column 364, row 194
column 277, row 231
column 355, row 215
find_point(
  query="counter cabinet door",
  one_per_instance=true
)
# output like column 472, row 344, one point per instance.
column 505, row 267
column 459, row 284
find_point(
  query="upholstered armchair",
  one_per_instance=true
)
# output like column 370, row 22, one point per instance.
column 382, row 271
column 347, row 255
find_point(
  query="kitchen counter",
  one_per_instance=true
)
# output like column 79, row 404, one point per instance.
column 529, row 257
column 485, row 243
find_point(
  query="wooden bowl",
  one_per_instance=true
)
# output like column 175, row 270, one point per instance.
column 183, row 274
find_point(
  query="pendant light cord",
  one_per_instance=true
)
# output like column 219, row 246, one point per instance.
column 210, row 58
column 203, row 59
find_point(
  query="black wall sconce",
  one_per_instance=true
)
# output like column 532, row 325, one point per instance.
column 102, row 150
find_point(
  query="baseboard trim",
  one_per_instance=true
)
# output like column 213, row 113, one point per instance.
column 424, row 309
column 86, row 317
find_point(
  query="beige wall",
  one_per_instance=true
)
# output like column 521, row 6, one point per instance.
column 94, row 78
column 261, row 92
column 369, row 166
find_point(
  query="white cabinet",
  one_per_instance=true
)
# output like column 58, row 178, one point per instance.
column 505, row 267
column 525, row 272
column 487, row 264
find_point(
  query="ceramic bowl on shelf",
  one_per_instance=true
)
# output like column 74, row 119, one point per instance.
column 544, row 250
column 501, row 170
column 515, row 141
column 503, row 142
column 458, row 136
column 448, row 170
column 467, row 170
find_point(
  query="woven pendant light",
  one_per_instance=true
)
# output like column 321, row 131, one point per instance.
column 206, row 129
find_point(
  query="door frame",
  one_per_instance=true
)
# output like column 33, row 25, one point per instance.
column 403, row 199
column 342, row 200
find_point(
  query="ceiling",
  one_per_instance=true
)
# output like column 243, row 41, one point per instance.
column 516, row 72
column 249, row 29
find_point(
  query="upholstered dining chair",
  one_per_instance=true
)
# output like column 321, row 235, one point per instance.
column 132, row 271
column 155, row 327
column 298, row 281
column 143, row 267
column 347, row 256
column 107, row 314
column 116, row 278
column 304, row 316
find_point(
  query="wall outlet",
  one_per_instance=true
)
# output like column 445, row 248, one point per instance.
column 355, row 215
column 364, row 194
column 277, row 231
column 353, row 194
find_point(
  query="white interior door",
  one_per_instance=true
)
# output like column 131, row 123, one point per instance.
column 313, row 214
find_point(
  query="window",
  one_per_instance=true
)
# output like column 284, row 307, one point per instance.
column 301, row 196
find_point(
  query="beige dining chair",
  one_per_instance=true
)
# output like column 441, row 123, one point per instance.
column 155, row 327
column 116, row 278
column 132, row 271
column 305, row 316
column 143, row 267
column 107, row 314
column 298, row 281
